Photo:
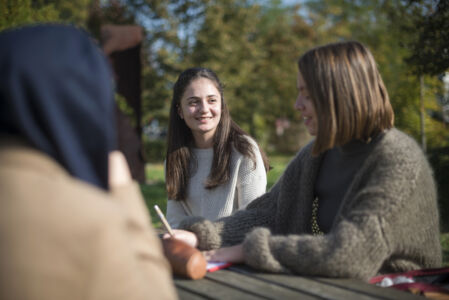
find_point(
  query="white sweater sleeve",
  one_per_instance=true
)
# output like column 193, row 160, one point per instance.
column 252, row 182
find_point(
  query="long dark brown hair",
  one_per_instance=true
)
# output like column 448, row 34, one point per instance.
column 348, row 94
column 180, row 141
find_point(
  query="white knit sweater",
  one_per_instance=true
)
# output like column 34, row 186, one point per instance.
column 245, row 184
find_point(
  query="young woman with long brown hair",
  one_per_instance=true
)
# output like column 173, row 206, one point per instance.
column 213, row 167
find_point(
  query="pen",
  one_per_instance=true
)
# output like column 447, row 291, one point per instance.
column 163, row 219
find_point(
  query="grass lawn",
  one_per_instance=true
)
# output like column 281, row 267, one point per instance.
column 154, row 192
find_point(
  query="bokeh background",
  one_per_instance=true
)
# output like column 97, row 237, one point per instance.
column 253, row 45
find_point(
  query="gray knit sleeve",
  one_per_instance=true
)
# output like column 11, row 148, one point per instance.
column 232, row 230
column 331, row 255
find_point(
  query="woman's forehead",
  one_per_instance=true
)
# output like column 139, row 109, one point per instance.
column 202, row 87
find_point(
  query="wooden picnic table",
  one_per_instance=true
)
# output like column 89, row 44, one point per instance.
column 242, row 282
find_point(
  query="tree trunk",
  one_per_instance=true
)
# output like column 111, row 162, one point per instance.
column 421, row 116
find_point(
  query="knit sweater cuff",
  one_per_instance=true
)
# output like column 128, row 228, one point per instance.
column 206, row 232
column 258, row 253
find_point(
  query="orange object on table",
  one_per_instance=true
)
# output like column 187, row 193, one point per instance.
column 185, row 260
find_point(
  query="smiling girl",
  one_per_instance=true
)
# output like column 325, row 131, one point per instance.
column 213, row 167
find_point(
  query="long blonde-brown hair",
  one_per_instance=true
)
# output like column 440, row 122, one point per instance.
column 348, row 93
column 180, row 140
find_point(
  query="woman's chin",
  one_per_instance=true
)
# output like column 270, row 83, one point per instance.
column 311, row 131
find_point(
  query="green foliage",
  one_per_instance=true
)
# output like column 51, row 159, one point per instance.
column 387, row 27
column 154, row 172
column 155, row 150
column 420, row 36
column 125, row 108
column 277, row 164
column 106, row 12
column 154, row 194
column 254, row 46
column 429, row 43
column 445, row 248
column 229, row 34
column 439, row 159
column 153, row 190
column 74, row 12
column 15, row 13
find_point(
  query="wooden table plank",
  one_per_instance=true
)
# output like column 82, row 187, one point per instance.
column 385, row 293
column 263, row 289
column 324, row 289
column 242, row 282
column 210, row 289
column 188, row 295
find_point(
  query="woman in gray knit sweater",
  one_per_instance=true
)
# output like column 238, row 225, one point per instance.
column 358, row 201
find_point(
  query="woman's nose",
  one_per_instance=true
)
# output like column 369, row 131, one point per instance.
column 203, row 106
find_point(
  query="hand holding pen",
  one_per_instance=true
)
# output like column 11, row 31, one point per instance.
column 184, row 258
column 183, row 235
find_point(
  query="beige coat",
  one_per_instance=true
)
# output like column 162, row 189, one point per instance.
column 61, row 238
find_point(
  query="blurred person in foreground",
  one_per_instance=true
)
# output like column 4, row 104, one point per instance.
column 73, row 225
column 357, row 201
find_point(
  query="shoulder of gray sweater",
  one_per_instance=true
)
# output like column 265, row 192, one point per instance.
column 398, row 146
column 398, row 156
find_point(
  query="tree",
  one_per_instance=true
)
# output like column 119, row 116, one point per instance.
column 386, row 27
column 284, row 36
column 238, row 40
column 15, row 13
column 430, row 48
column 170, row 30
column 227, row 42
column 422, row 28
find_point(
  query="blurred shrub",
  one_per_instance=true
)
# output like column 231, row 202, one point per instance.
column 154, row 150
column 289, row 140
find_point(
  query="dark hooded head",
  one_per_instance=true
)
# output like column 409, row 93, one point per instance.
column 56, row 92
